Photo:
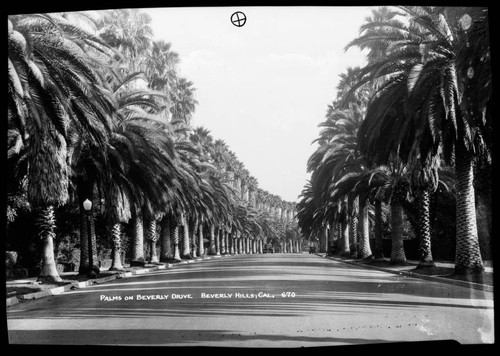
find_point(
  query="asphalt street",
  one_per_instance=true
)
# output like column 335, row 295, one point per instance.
column 272, row 300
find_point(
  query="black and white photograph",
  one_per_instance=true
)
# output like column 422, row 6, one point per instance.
column 250, row 177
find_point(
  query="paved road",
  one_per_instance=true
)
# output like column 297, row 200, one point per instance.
column 281, row 300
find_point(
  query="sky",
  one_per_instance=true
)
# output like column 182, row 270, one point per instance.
column 264, row 87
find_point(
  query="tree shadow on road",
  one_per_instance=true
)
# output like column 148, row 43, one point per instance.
column 195, row 337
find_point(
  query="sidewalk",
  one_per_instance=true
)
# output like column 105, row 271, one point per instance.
column 443, row 272
column 21, row 290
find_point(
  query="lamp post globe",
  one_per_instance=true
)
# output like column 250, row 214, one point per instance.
column 87, row 205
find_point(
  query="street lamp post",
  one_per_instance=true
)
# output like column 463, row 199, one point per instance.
column 87, row 206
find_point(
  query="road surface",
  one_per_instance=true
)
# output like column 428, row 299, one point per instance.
column 271, row 300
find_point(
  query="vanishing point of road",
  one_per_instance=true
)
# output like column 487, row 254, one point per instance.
column 272, row 300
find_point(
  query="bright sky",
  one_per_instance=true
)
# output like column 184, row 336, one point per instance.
column 263, row 88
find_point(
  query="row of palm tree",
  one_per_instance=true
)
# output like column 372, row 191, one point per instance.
column 98, row 113
column 414, row 118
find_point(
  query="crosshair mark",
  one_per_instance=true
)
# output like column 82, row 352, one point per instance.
column 238, row 19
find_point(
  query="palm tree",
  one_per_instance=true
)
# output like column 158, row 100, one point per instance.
column 52, row 89
column 129, row 31
column 175, row 238
column 117, row 212
column 353, row 211
column 183, row 101
column 161, row 66
column 152, row 236
column 425, row 181
column 376, row 185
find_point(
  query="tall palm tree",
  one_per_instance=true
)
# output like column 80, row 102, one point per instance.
column 52, row 88
column 130, row 32
column 161, row 72
column 376, row 185
column 117, row 213
column 161, row 66
column 183, row 101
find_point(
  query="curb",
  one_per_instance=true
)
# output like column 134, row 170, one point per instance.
column 474, row 285
column 77, row 285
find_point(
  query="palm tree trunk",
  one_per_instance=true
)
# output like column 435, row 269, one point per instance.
column 332, row 237
column 379, row 248
column 138, row 239
column 153, row 238
column 186, row 253
column 398, row 255
column 336, row 233
column 212, row 250
column 116, row 260
column 201, row 247
column 177, row 255
column 223, row 239
column 194, row 229
column 365, row 251
column 239, row 243
column 353, row 236
column 353, row 229
column 323, row 240
column 344, row 238
column 93, row 239
column 424, row 226
column 468, row 257
column 218, row 240
column 165, row 239
column 45, row 226
column 84, row 245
